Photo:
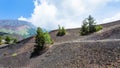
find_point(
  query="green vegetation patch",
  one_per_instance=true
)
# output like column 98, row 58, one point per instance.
column 89, row 26
column 61, row 31
column 14, row 54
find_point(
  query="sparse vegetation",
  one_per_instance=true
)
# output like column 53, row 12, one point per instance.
column 0, row 40
column 14, row 54
column 89, row 26
column 98, row 28
column 7, row 39
column 61, row 31
column 48, row 39
column 101, row 49
column 15, row 40
column 4, row 54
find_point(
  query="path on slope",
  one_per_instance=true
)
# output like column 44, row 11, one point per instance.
column 74, row 41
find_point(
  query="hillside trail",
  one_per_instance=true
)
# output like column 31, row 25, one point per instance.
column 85, row 41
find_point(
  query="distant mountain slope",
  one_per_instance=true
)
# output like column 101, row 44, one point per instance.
column 23, row 28
column 18, row 37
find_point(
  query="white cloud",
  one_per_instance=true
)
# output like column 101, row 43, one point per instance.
column 113, row 18
column 49, row 14
column 22, row 18
column 44, row 14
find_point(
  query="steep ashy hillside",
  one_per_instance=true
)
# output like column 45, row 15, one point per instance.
column 97, row 50
column 22, row 51
column 23, row 28
column 87, row 54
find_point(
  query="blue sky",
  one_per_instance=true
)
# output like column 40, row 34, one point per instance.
column 49, row 14
column 12, row 9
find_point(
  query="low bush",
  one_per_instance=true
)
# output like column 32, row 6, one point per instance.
column 8, row 39
column 15, row 40
column 0, row 40
column 98, row 28
column 14, row 54
column 61, row 31
column 48, row 39
column 89, row 26
column 4, row 54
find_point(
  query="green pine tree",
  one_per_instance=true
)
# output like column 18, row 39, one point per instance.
column 84, row 28
column 91, row 24
column 40, row 41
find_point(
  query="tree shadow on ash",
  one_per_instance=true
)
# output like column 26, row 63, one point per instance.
column 35, row 53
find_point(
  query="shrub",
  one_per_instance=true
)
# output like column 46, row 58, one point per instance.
column 98, row 28
column 15, row 40
column 8, row 40
column 84, row 28
column 14, row 54
column 48, row 39
column 89, row 26
column 4, row 54
column 0, row 40
column 61, row 31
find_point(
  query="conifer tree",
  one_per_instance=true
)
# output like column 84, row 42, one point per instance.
column 40, row 41
column 61, row 31
column 91, row 24
column 84, row 28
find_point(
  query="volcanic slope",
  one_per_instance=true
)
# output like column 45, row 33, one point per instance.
column 97, row 50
